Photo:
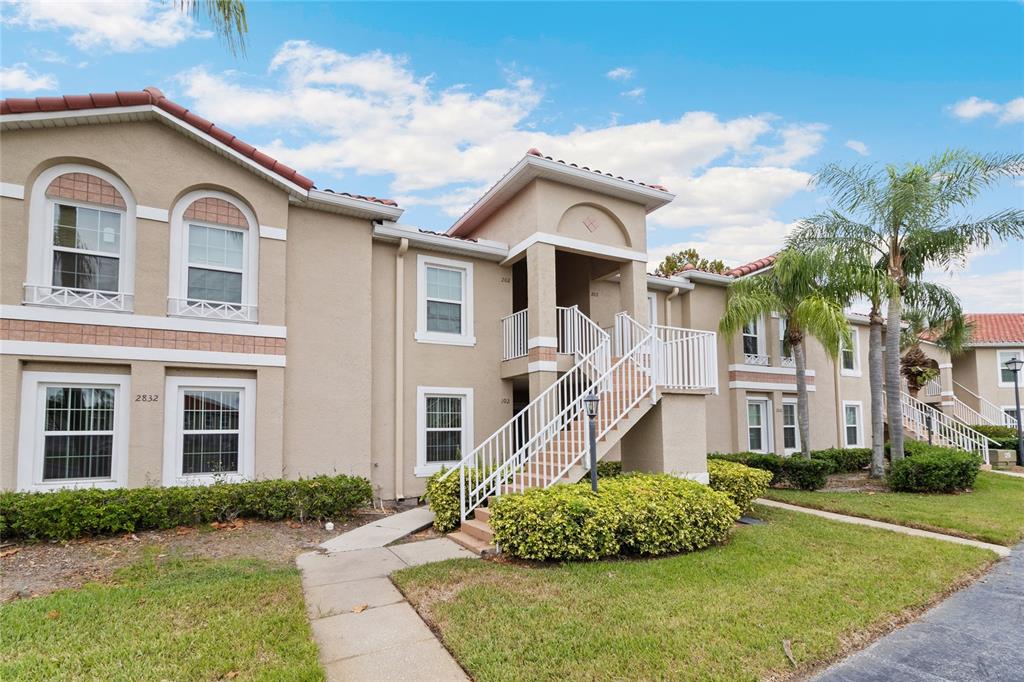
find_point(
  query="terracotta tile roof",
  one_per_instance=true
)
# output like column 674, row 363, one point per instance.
column 533, row 151
column 996, row 327
column 153, row 96
column 753, row 266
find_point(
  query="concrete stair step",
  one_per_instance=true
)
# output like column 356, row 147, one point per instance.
column 471, row 543
column 481, row 530
column 482, row 514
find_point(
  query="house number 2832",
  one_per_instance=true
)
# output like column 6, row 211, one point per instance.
column 147, row 398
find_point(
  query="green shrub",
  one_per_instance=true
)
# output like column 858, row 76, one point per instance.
column 443, row 496
column 936, row 470
column 609, row 469
column 844, row 460
column 806, row 474
column 67, row 514
column 741, row 483
column 646, row 514
column 1004, row 436
column 911, row 447
column 758, row 460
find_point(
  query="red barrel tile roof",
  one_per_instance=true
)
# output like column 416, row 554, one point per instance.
column 753, row 266
column 153, row 96
column 996, row 327
column 533, row 151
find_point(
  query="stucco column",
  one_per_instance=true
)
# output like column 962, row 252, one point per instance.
column 633, row 290
column 946, row 382
column 542, row 337
column 146, row 425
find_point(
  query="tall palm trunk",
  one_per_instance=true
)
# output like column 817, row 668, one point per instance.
column 803, row 417
column 894, row 407
column 875, row 370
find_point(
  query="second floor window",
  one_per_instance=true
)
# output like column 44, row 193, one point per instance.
column 785, row 347
column 216, row 259
column 751, row 338
column 86, row 248
column 444, row 301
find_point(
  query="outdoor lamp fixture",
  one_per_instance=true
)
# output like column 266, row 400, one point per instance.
column 1014, row 365
column 591, row 402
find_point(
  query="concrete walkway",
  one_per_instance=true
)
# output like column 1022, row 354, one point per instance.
column 974, row 635
column 1007, row 473
column 364, row 628
column 998, row 549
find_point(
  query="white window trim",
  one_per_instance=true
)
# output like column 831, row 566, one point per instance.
column 466, row 338
column 761, row 343
column 856, row 371
column 178, row 282
column 767, row 425
column 39, row 268
column 33, row 412
column 796, row 426
column 783, row 323
column 860, row 424
column 174, row 418
column 652, row 307
column 999, row 366
column 424, row 469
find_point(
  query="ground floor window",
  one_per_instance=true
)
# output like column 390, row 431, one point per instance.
column 444, row 427
column 758, row 425
column 210, row 430
column 73, row 430
column 853, row 426
column 790, row 431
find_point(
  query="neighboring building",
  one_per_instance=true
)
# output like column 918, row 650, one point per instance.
column 177, row 307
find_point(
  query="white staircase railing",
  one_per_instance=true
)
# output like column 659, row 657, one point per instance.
column 578, row 334
column 514, row 335
column 685, row 358
column 990, row 413
column 946, row 431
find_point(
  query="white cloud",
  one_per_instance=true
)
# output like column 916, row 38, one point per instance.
column 123, row 26
column 635, row 93
column 734, row 244
column 20, row 78
column 991, row 292
column 620, row 73
column 859, row 147
column 799, row 141
column 972, row 108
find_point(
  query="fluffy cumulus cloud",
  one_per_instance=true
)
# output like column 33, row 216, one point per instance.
column 20, row 78
column 439, row 147
column 620, row 73
column 974, row 108
column 985, row 291
column 859, row 147
column 123, row 26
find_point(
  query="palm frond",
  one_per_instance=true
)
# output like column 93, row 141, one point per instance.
column 227, row 17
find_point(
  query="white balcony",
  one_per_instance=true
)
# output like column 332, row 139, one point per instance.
column 756, row 359
column 66, row 297
column 235, row 312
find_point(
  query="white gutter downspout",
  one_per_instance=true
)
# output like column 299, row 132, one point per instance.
column 668, row 306
column 403, row 246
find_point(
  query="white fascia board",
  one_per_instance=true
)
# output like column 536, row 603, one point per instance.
column 1008, row 345
column 108, row 319
column 576, row 246
column 482, row 248
column 708, row 277
column 668, row 283
column 359, row 208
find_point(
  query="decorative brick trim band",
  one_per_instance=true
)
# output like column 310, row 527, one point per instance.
column 214, row 210
column 542, row 354
column 85, row 187
column 93, row 334
column 764, row 377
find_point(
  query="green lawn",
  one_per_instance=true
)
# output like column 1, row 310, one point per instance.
column 718, row 614
column 993, row 512
column 177, row 620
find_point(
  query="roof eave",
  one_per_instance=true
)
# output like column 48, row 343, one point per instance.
column 353, row 206
column 484, row 249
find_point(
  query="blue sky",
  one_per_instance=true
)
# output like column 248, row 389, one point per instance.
column 732, row 106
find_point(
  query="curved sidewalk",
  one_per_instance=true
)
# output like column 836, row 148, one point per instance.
column 363, row 626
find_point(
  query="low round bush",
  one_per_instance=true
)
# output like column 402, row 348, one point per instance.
column 844, row 460
column 68, row 514
column 741, row 483
column 443, row 496
column 806, row 474
column 936, row 470
column 647, row 514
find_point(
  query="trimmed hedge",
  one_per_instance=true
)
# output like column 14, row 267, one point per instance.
column 935, row 470
column 1005, row 436
column 443, row 497
column 741, row 483
column 67, row 514
column 844, row 460
column 646, row 514
column 797, row 471
column 609, row 469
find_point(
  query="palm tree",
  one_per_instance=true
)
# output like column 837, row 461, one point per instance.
column 931, row 310
column 226, row 16
column 907, row 218
column 812, row 305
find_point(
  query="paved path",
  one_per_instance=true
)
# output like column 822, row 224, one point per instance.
column 998, row 549
column 364, row 628
column 1007, row 473
column 977, row 634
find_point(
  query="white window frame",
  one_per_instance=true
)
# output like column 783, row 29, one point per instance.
column 860, row 424
column 760, row 335
column 1000, row 360
column 796, row 425
column 767, row 441
column 423, row 468
column 177, row 288
column 856, row 371
column 174, row 420
column 39, row 268
column 33, row 414
column 783, row 324
column 652, row 307
column 466, row 338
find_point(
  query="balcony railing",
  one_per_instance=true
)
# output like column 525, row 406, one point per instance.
column 186, row 307
column 685, row 358
column 514, row 335
column 787, row 361
column 756, row 359
column 116, row 301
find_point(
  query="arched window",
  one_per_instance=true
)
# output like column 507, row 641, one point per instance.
column 214, row 256
column 81, row 240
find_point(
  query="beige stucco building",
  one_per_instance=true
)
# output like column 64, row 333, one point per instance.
column 177, row 307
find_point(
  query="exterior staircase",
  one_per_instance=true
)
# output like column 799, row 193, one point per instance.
column 921, row 419
column 547, row 442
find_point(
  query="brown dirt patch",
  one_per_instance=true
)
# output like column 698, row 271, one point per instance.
column 31, row 569
column 859, row 481
column 427, row 533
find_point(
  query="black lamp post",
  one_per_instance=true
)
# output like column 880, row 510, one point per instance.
column 1014, row 365
column 591, row 402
